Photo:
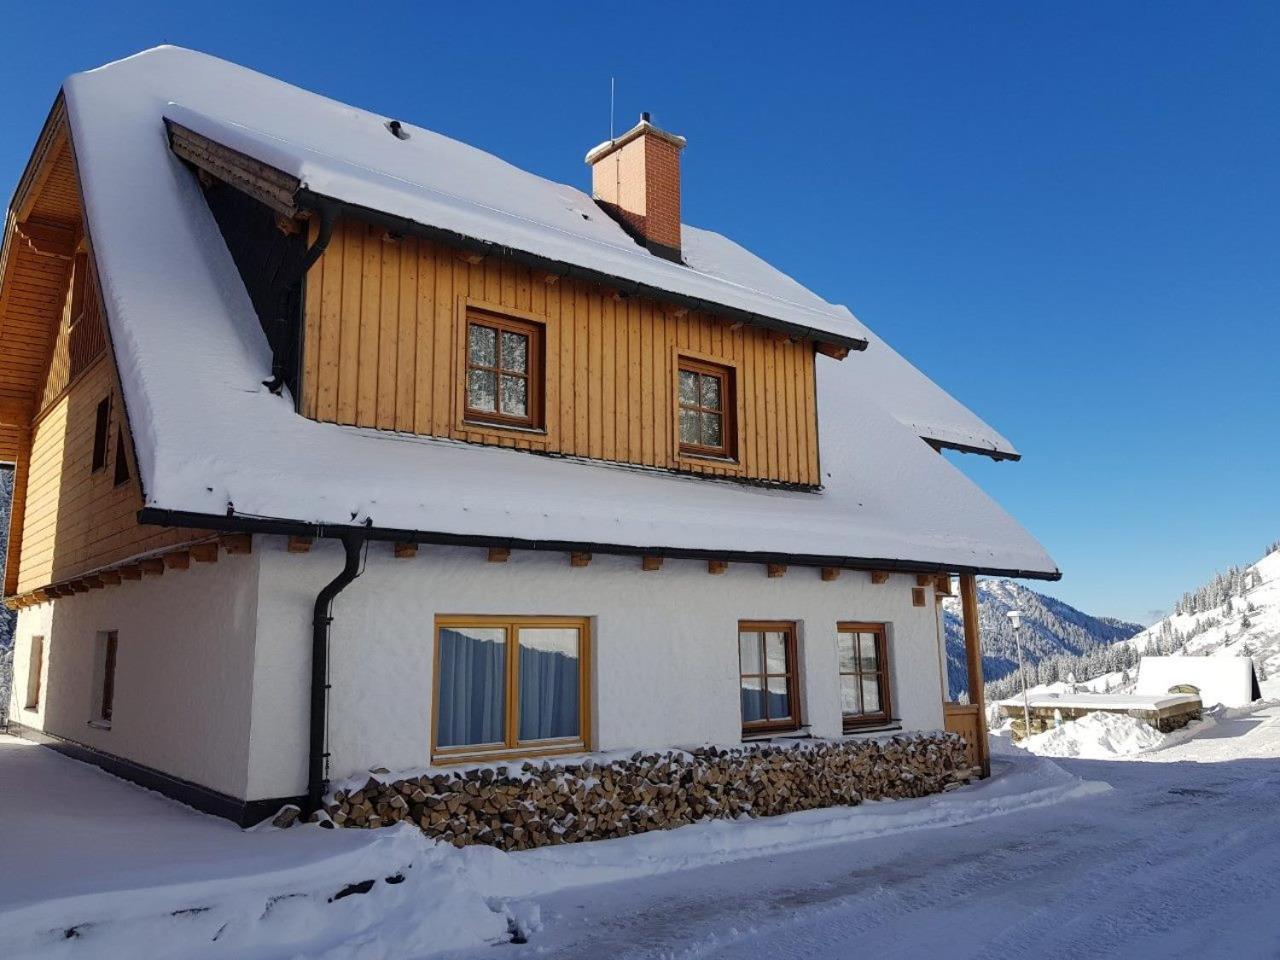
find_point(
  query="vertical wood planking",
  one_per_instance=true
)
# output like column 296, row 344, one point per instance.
column 380, row 351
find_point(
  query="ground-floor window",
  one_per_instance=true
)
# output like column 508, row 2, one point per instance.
column 768, row 676
column 35, row 667
column 105, row 672
column 864, row 674
column 510, row 685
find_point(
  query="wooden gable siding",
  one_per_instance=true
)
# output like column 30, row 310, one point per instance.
column 77, row 519
column 381, row 349
column 67, row 519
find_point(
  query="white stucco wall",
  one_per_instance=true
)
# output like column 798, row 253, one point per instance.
column 664, row 662
column 184, row 665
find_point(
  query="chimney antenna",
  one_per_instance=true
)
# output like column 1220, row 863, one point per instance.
column 611, row 108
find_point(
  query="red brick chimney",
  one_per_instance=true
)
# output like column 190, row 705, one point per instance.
column 636, row 179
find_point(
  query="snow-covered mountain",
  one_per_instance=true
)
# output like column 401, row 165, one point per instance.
column 1237, row 613
column 1050, row 629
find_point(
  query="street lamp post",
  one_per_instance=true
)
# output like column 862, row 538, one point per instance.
column 1015, row 617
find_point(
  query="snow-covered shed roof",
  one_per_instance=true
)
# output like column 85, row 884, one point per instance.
column 210, row 438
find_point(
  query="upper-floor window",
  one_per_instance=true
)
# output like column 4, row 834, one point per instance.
column 864, row 674
column 504, row 371
column 706, row 409
column 101, row 431
column 122, row 459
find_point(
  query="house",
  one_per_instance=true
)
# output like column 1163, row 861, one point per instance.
column 340, row 444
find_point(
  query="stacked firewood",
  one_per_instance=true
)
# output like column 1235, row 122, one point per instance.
column 533, row 804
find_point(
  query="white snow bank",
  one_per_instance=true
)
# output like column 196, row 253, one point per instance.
column 1097, row 736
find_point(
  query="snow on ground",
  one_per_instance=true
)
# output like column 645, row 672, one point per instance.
column 121, row 867
column 1176, row 861
column 1097, row 736
column 1170, row 852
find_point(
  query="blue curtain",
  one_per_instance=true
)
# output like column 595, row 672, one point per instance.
column 548, row 694
column 471, row 690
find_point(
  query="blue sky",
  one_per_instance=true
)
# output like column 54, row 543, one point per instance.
column 1068, row 215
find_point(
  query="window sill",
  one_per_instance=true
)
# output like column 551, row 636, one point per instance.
column 787, row 733
column 888, row 726
column 563, row 748
column 494, row 425
column 100, row 724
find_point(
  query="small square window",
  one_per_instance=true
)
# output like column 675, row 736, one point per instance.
column 706, row 402
column 768, row 677
column 503, row 371
column 864, row 674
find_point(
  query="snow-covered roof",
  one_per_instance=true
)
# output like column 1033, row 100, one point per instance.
column 209, row 437
column 1101, row 701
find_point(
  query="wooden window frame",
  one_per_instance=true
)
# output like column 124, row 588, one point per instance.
column 104, row 706
column 101, row 435
column 535, row 377
column 796, row 720
column 35, row 672
column 122, row 473
column 859, row 721
column 512, row 747
column 727, row 374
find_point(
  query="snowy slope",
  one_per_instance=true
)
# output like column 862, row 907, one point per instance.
column 1050, row 628
column 1247, row 624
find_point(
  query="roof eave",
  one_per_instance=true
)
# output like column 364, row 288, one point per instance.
column 308, row 199
column 284, row 527
column 992, row 452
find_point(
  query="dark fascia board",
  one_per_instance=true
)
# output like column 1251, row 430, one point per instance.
column 281, row 527
column 306, row 199
column 990, row 452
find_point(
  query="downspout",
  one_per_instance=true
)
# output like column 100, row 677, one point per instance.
column 278, row 363
column 317, row 782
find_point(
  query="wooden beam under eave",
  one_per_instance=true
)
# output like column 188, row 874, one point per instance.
column 831, row 350
column 973, row 660
column 775, row 570
column 404, row 551
column 237, row 543
column 717, row 566
column 93, row 583
column 579, row 559
column 299, row 545
column 942, row 584
column 78, row 586
column 879, row 576
column 178, row 560
column 204, row 552
column 499, row 554
column 110, row 577
column 650, row 563
column 830, row 573
column 924, row 579
column 152, row 566
column 131, row 571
